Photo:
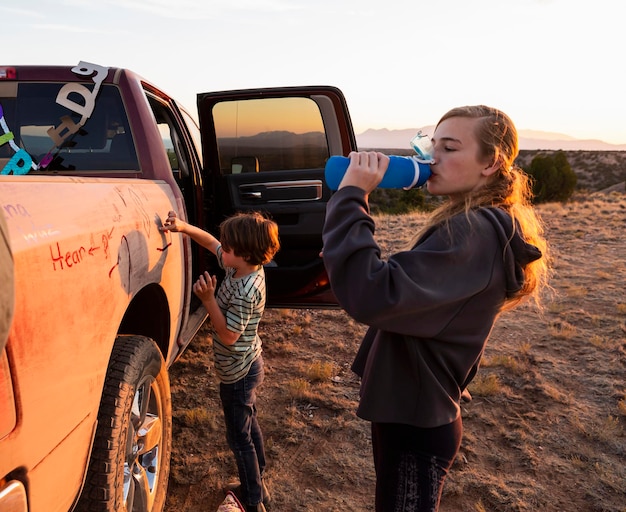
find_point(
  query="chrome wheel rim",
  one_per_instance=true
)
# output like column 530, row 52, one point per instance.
column 143, row 448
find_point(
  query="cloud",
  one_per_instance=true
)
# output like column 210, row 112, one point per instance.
column 54, row 27
column 30, row 13
column 194, row 9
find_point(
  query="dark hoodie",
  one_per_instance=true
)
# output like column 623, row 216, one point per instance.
column 430, row 309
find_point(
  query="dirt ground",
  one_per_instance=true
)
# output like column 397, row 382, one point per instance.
column 545, row 430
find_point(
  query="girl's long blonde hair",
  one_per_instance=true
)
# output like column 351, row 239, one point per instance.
column 508, row 188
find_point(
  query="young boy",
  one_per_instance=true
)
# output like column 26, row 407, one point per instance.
column 247, row 241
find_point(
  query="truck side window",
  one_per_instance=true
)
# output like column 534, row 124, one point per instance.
column 178, row 137
column 194, row 131
column 172, row 138
column 270, row 134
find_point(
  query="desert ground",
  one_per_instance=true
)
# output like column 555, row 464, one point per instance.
column 545, row 430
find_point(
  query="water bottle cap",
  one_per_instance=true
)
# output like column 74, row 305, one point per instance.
column 423, row 146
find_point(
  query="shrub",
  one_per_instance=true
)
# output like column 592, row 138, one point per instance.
column 553, row 177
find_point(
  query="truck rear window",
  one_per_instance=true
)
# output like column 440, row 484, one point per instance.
column 30, row 115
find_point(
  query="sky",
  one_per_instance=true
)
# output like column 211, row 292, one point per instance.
column 551, row 65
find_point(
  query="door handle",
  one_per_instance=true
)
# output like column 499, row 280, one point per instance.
column 251, row 195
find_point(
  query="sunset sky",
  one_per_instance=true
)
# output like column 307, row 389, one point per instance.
column 552, row 65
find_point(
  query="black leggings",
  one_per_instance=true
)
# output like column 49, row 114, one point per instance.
column 412, row 463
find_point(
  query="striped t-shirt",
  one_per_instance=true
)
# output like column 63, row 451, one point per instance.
column 242, row 300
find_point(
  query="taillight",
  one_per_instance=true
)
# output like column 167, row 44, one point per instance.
column 7, row 73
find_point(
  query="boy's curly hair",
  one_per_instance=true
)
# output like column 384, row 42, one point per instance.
column 251, row 236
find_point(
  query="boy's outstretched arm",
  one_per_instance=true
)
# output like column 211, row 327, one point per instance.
column 200, row 236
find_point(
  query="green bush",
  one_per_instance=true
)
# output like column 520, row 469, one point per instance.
column 553, row 177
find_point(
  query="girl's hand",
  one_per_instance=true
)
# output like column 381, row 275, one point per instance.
column 205, row 286
column 366, row 170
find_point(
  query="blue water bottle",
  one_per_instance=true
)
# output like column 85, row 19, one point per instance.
column 403, row 172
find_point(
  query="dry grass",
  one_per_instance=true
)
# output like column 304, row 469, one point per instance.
column 545, row 430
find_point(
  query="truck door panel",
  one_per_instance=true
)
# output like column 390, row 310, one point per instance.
column 265, row 150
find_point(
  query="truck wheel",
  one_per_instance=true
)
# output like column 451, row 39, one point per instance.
column 130, row 461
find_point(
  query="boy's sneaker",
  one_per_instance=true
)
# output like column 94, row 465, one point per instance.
column 235, row 487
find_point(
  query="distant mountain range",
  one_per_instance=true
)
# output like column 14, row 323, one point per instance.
column 529, row 139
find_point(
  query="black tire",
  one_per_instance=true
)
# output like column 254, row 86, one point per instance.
column 130, row 461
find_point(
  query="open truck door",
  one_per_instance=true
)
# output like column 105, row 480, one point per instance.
column 265, row 150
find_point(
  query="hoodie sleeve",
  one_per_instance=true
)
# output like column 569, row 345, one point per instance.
column 431, row 282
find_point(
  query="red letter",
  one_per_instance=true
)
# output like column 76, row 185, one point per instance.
column 56, row 258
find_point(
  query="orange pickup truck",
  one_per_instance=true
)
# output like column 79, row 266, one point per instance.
column 97, row 302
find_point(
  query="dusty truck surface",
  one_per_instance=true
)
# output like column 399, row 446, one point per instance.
column 97, row 301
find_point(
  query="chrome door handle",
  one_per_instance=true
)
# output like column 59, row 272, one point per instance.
column 251, row 195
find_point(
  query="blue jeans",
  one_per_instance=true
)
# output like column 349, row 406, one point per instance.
column 243, row 433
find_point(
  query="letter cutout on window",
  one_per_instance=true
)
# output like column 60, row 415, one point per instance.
column 8, row 134
column 63, row 131
column 88, row 69
column 20, row 163
column 86, row 109
column 6, row 138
